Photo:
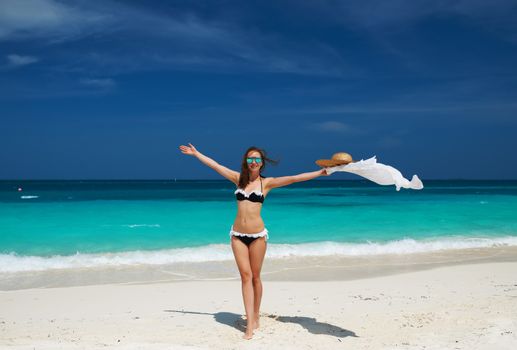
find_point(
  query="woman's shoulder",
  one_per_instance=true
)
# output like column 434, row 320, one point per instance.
column 266, row 180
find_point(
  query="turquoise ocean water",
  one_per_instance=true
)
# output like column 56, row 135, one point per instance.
column 61, row 224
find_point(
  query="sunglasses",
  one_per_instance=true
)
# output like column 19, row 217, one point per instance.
column 257, row 160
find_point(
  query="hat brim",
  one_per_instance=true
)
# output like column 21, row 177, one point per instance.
column 325, row 163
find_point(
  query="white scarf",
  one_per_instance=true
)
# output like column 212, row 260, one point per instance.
column 379, row 173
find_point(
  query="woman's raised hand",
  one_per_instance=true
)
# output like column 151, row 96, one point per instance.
column 190, row 149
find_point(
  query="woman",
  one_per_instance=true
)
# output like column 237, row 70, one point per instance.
column 248, row 233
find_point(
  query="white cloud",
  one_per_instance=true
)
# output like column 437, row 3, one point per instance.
column 45, row 19
column 390, row 142
column 104, row 83
column 198, row 43
column 192, row 42
column 332, row 126
column 14, row 60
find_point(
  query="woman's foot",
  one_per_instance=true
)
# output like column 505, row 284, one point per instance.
column 248, row 335
column 249, row 331
column 256, row 324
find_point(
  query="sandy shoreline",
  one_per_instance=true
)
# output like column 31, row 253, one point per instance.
column 438, row 304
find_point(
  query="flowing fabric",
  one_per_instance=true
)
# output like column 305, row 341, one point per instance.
column 379, row 173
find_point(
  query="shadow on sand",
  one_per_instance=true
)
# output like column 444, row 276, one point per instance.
column 315, row 327
column 309, row 323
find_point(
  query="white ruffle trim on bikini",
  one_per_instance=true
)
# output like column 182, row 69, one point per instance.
column 263, row 233
column 239, row 190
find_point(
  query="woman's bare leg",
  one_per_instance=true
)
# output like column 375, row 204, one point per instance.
column 257, row 251
column 241, row 254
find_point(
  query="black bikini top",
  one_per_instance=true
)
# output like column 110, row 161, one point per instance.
column 253, row 196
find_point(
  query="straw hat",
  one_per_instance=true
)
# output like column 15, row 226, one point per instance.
column 339, row 158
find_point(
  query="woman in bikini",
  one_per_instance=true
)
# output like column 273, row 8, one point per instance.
column 248, row 233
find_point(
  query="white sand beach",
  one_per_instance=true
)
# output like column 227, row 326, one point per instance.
column 462, row 304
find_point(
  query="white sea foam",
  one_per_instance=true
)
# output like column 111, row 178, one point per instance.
column 222, row 252
column 28, row 197
column 142, row 225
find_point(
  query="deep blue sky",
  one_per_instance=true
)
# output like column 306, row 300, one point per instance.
column 108, row 90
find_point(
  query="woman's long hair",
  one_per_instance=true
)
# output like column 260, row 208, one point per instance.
column 244, row 178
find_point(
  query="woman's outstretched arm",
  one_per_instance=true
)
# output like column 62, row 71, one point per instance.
column 287, row 180
column 231, row 175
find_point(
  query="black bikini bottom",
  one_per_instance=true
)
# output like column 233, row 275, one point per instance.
column 247, row 240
